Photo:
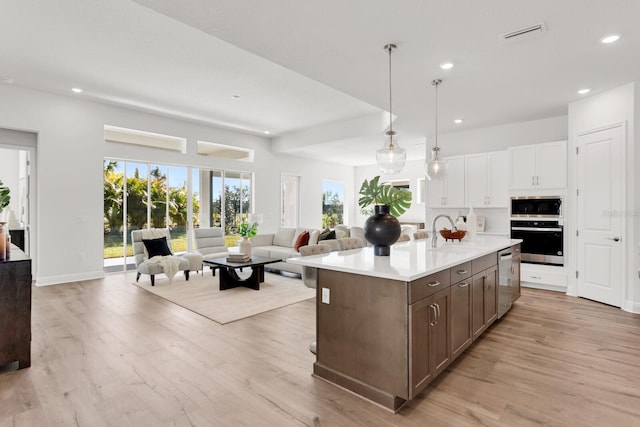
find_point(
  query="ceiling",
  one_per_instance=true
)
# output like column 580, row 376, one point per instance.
column 315, row 74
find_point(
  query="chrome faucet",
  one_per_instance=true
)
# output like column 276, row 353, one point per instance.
column 434, row 235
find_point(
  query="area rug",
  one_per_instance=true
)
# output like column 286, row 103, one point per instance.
column 202, row 295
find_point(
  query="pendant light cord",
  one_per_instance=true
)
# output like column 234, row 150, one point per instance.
column 390, row 47
column 436, row 84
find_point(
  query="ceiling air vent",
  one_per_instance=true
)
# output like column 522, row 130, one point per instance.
column 523, row 31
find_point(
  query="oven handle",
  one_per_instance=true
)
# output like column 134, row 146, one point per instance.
column 535, row 229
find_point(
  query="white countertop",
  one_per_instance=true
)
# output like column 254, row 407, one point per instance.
column 408, row 260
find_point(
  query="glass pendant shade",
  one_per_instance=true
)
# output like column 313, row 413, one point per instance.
column 391, row 157
column 435, row 169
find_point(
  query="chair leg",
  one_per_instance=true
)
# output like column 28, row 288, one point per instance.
column 186, row 275
column 153, row 280
column 138, row 276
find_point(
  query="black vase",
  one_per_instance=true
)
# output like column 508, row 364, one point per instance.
column 382, row 230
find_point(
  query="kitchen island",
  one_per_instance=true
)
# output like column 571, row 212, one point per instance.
column 388, row 325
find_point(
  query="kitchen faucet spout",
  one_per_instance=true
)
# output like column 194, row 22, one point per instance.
column 434, row 236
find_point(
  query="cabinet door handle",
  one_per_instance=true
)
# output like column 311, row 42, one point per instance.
column 435, row 314
column 535, row 277
column 533, row 180
column 463, row 285
column 513, row 269
column 537, row 180
column 433, row 284
column 438, row 309
column 462, row 271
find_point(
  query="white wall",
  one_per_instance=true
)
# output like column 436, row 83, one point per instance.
column 601, row 110
column 467, row 142
column 70, row 152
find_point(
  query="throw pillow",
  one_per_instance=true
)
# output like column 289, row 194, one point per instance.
column 302, row 240
column 327, row 234
column 157, row 247
column 313, row 237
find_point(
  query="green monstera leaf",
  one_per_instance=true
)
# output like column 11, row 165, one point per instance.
column 374, row 193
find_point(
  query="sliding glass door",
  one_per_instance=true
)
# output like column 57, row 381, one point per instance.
column 141, row 195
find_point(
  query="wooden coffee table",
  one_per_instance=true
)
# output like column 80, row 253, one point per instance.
column 229, row 277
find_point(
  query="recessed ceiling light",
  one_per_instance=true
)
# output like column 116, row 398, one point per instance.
column 457, row 121
column 77, row 90
column 584, row 91
column 266, row 132
column 235, row 97
column 610, row 39
column 446, row 65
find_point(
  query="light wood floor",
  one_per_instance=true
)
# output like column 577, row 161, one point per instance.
column 106, row 353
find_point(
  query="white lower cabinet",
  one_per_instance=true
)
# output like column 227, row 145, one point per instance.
column 540, row 276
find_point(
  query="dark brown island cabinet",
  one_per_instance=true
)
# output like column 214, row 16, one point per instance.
column 15, row 309
column 388, row 339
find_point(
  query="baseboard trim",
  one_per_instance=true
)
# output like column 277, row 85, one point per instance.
column 544, row 286
column 631, row 307
column 57, row 280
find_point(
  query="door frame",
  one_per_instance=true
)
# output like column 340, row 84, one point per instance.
column 623, row 209
column 31, row 234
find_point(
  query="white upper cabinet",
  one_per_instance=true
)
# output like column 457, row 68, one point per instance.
column 486, row 180
column 448, row 192
column 538, row 166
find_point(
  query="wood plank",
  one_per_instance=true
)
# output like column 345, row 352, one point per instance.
column 107, row 353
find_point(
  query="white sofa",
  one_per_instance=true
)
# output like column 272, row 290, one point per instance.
column 281, row 244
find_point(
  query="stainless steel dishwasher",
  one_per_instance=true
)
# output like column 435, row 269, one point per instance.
column 505, row 260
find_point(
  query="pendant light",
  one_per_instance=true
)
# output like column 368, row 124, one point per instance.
column 435, row 169
column 390, row 157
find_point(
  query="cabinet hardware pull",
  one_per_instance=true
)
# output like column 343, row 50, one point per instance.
column 438, row 318
column 462, row 271
column 535, row 277
column 533, row 180
column 463, row 285
column 513, row 269
column 615, row 239
column 433, row 284
column 432, row 322
column 537, row 180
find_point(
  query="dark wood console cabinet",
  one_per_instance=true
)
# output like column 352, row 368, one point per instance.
column 15, row 309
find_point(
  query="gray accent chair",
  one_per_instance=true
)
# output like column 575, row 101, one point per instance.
column 404, row 237
column 421, row 234
column 209, row 242
column 350, row 243
column 310, row 274
column 141, row 257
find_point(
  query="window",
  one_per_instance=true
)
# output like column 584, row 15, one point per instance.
column 332, row 203
column 290, row 201
column 118, row 135
column 139, row 195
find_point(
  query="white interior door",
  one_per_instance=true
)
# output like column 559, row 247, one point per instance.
column 600, row 219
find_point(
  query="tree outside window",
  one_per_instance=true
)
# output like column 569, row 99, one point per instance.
column 332, row 203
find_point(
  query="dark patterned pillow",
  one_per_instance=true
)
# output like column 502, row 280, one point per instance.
column 157, row 247
column 327, row 234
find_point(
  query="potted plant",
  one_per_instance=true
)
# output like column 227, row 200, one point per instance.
column 247, row 231
column 383, row 229
column 5, row 198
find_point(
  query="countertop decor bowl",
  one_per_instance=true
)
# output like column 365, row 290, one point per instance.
column 452, row 235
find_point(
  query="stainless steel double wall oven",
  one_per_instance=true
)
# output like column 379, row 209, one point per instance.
column 538, row 221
